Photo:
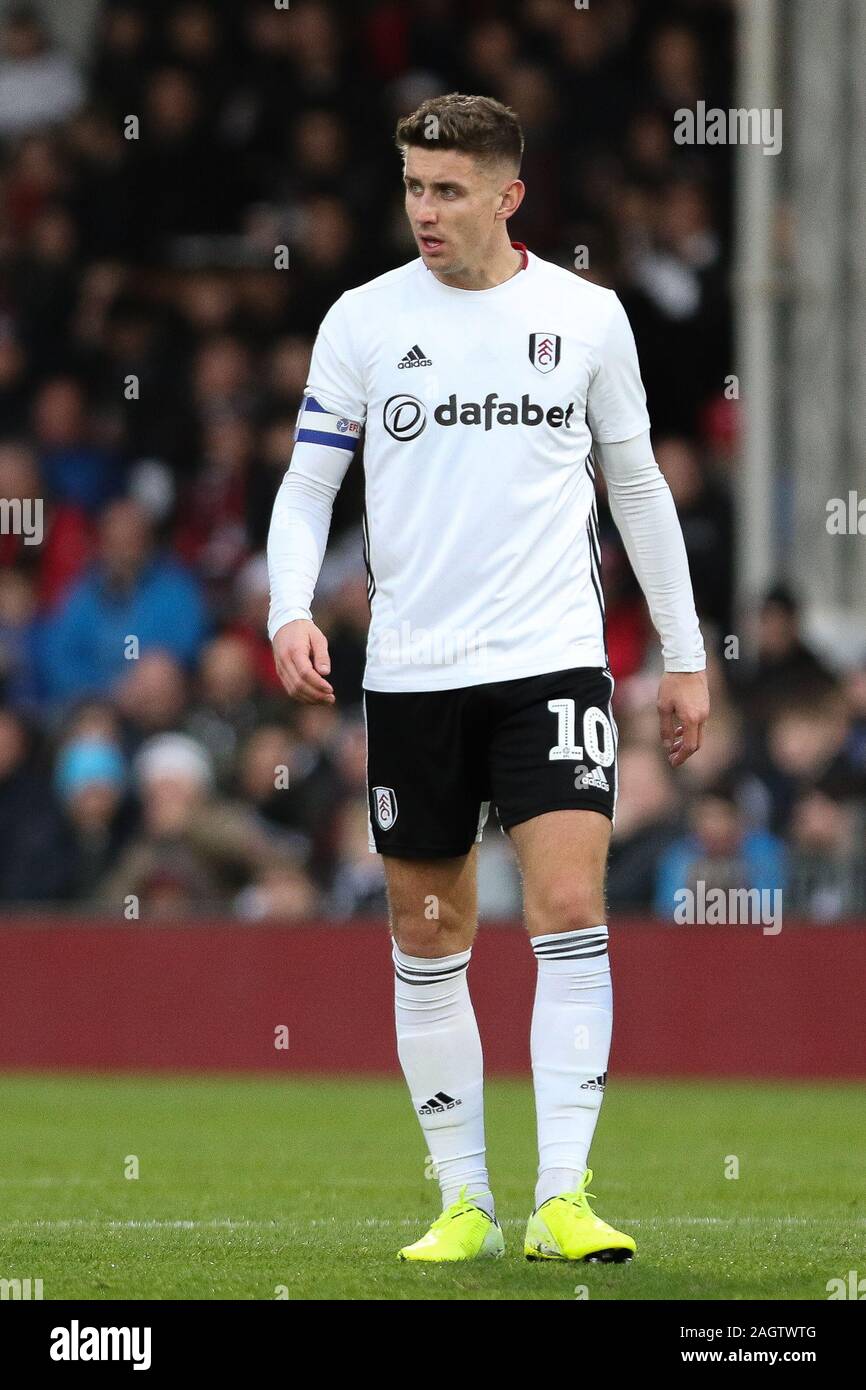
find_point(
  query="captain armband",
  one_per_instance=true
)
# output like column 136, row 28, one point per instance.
column 316, row 424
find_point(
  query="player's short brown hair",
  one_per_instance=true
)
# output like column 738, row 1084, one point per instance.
column 479, row 126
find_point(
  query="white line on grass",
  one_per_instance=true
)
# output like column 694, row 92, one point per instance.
column 372, row 1222
column 52, row 1182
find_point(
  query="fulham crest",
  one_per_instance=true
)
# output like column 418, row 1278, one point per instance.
column 385, row 803
column 544, row 350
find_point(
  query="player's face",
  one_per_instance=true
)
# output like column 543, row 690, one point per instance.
column 455, row 208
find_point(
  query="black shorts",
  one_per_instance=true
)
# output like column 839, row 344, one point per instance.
column 436, row 759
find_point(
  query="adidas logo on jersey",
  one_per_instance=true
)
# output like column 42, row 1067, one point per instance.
column 415, row 358
column 595, row 778
column 597, row 1085
column 436, row 1104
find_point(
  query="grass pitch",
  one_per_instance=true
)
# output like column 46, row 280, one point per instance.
column 259, row 1188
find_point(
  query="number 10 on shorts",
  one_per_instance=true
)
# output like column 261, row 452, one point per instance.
column 597, row 734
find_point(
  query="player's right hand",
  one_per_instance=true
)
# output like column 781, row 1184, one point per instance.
column 302, row 662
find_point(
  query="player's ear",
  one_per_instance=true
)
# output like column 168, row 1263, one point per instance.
column 511, row 198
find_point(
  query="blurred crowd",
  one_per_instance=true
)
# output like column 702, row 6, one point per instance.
column 152, row 357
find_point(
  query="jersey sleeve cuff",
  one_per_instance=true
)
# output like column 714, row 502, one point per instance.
column 289, row 615
column 685, row 665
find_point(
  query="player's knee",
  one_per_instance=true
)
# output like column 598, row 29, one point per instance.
column 415, row 941
column 442, row 933
column 565, row 907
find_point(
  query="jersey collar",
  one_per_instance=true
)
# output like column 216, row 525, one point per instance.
column 505, row 287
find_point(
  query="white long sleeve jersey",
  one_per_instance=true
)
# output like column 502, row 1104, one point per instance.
column 481, row 410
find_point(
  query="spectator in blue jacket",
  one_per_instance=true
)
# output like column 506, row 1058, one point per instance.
column 132, row 598
column 721, row 852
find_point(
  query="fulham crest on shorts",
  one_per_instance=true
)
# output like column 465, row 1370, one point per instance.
column 386, row 806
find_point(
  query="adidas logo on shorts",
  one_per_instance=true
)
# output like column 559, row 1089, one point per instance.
column 595, row 778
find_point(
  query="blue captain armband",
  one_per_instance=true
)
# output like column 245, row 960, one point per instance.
column 318, row 425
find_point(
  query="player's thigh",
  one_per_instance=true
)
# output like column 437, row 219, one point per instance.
column 563, row 859
column 552, row 745
column 553, row 775
column 432, row 903
column 426, row 773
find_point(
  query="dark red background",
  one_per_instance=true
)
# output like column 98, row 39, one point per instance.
column 711, row 1001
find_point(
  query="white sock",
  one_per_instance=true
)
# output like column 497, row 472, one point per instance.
column 440, row 1052
column 570, row 1045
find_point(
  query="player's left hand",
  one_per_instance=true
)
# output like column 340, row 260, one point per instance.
column 684, row 708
